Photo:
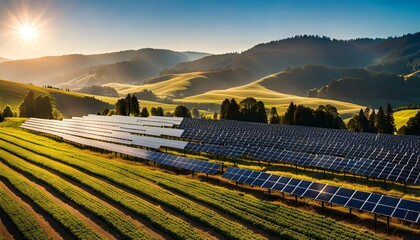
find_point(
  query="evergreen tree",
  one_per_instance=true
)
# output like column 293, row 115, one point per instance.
column 289, row 115
column 195, row 113
column 127, row 103
column 144, row 112
column 413, row 125
column 261, row 113
column 234, row 113
column 371, row 121
column 134, row 106
column 182, row 111
column 273, row 116
column 389, row 118
column 43, row 107
column 1, row 117
column 27, row 107
column 215, row 116
column 380, row 121
column 225, row 109
column 120, row 107
column 153, row 111
column 160, row 112
column 363, row 122
column 7, row 111
column 304, row 116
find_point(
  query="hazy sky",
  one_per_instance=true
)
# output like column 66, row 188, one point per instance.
column 96, row 26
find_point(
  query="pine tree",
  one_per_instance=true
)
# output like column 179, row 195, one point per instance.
column 153, row 111
column 234, row 113
column 389, row 118
column 273, row 116
column 160, row 112
column 371, row 121
column 225, row 109
column 27, row 107
column 261, row 112
column 127, row 103
column 120, row 107
column 134, row 106
column 380, row 121
column 363, row 122
column 289, row 115
column 7, row 112
column 144, row 112
column 215, row 116
column 43, row 107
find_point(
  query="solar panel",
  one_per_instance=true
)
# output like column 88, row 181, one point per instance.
column 166, row 159
column 380, row 204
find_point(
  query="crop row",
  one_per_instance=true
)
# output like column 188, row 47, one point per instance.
column 25, row 222
column 195, row 211
column 87, row 201
column 73, row 224
column 271, row 217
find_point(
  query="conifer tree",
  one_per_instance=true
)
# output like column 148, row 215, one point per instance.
column 380, row 121
column 389, row 118
column 134, row 106
column 153, row 111
column 234, row 113
column 413, row 125
column 144, row 112
column 160, row 112
column 7, row 112
column 273, row 116
column 289, row 115
column 27, row 107
column 225, row 109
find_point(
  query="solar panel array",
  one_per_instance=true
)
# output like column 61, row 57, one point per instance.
column 96, row 139
column 381, row 156
column 370, row 202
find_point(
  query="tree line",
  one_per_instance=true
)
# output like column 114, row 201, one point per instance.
column 370, row 121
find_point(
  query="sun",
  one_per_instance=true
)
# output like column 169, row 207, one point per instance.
column 27, row 33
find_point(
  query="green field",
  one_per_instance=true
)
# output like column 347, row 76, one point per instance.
column 111, row 198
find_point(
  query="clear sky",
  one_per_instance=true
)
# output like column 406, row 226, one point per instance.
column 35, row 28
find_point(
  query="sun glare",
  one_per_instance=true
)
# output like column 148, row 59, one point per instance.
column 27, row 33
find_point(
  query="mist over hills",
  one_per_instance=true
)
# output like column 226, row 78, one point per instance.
column 4, row 59
column 131, row 65
column 363, row 71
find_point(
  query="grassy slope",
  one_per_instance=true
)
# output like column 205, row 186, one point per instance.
column 401, row 117
column 270, row 98
column 12, row 93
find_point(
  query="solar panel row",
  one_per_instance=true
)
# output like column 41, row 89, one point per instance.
column 371, row 202
column 162, row 158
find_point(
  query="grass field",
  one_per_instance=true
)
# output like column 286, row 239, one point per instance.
column 88, row 195
column 401, row 117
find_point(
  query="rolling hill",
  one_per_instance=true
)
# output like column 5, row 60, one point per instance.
column 4, row 59
column 188, row 84
column 126, row 66
column 401, row 117
column 397, row 55
column 271, row 98
column 12, row 93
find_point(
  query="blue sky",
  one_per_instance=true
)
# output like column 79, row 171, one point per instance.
column 96, row 26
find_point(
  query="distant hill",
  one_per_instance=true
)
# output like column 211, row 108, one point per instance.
column 270, row 98
column 59, row 69
column 188, row 84
column 99, row 90
column 396, row 55
column 374, row 89
column 68, row 103
column 4, row 59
